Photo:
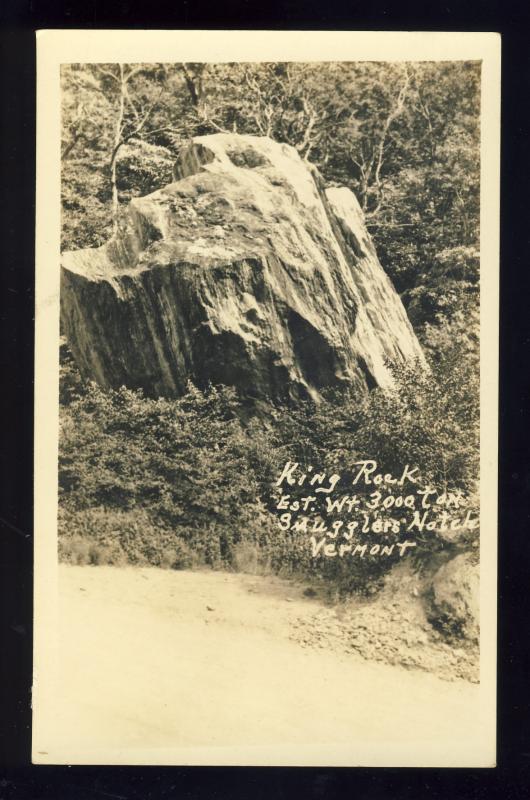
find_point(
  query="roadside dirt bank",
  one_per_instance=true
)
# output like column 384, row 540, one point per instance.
column 155, row 666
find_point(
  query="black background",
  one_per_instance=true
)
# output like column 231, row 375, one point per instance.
column 18, row 779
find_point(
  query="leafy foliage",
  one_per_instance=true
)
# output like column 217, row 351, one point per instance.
column 175, row 483
column 163, row 469
column 185, row 482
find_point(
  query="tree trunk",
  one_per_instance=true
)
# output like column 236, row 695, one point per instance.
column 118, row 141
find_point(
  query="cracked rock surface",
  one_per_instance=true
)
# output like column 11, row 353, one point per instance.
column 244, row 271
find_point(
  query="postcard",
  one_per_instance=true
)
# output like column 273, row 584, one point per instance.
column 266, row 398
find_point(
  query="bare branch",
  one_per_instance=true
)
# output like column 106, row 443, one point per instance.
column 76, row 129
column 307, row 144
column 108, row 73
column 392, row 116
column 190, row 83
column 131, row 104
column 204, row 116
column 157, row 130
column 70, row 146
column 118, row 141
column 134, row 72
column 423, row 108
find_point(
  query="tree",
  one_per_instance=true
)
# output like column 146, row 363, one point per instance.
column 106, row 108
column 131, row 117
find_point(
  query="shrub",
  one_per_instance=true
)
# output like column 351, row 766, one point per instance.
column 74, row 549
column 179, row 556
column 178, row 483
column 142, row 168
column 79, row 550
column 245, row 557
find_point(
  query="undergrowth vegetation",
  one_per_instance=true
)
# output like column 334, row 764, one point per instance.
column 186, row 482
column 191, row 482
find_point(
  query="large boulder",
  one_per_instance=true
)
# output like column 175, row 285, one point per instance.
column 244, row 271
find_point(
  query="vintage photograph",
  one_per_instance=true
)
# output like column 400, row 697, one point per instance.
column 269, row 535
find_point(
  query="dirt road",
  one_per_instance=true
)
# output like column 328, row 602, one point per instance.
column 157, row 666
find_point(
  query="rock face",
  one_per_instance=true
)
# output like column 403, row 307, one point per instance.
column 244, row 271
column 455, row 597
